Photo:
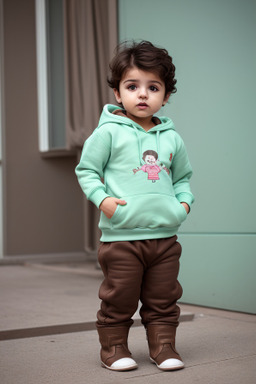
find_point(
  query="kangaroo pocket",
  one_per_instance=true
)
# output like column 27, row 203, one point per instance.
column 149, row 211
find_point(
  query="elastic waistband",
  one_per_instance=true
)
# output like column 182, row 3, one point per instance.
column 136, row 234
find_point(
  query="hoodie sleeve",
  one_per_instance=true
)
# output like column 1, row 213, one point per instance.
column 181, row 174
column 89, row 171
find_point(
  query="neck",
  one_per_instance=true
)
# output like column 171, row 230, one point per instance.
column 146, row 123
column 151, row 122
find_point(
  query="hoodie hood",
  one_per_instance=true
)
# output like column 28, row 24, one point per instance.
column 113, row 114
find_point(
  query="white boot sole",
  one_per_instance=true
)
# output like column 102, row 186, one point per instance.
column 128, row 367
column 173, row 367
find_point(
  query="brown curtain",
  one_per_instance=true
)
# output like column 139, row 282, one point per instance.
column 90, row 39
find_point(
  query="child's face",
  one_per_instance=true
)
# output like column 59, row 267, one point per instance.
column 142, row 95
column 149, row 159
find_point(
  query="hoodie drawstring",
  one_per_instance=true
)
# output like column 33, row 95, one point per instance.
column 158, row 143
column 140, row 146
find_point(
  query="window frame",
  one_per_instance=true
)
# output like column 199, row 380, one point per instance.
column 42, row 78
column 45, row 128
column 2, row 119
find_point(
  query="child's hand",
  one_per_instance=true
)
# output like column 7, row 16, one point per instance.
column 109, row 205
column 186, row 206
column 135, row 170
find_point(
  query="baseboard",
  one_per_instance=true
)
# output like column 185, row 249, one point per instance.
column 49, row 258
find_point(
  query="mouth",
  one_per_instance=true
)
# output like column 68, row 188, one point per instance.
column 142, row 105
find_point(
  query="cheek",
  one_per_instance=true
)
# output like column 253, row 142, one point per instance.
column 127, row 98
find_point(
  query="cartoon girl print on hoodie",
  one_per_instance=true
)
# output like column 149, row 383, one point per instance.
column 151, row 167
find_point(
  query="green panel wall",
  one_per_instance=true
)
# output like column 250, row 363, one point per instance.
column 214, row 50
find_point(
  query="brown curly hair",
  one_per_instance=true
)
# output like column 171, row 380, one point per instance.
column 151, row 153
column 145, row 56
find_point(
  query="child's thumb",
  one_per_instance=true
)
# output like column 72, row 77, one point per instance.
column 121, row 202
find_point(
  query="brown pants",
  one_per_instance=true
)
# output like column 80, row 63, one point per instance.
column 145, row 270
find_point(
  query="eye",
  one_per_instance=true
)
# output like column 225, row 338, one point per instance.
column 132, row 87
column 153, row 88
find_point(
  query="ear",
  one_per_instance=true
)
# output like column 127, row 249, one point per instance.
column 166, row 98
column 117, row 95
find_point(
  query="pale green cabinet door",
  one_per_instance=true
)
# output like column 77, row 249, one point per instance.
column 214, row 50
column 1, row 127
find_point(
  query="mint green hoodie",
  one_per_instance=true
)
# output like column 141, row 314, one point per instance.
column 149, row 170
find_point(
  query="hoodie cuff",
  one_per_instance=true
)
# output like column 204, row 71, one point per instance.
column 98, row 196
column 184, row 197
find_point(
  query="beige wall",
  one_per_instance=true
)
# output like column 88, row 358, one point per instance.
column 42, row 199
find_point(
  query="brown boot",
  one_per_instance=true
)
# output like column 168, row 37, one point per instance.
column 115, row 354
column 161, row 341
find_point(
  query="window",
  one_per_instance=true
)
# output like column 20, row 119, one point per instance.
column 72, row 65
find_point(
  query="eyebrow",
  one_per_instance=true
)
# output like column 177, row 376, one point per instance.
column 137, row 81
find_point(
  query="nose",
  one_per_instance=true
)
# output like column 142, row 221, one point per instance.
column 143, row 94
